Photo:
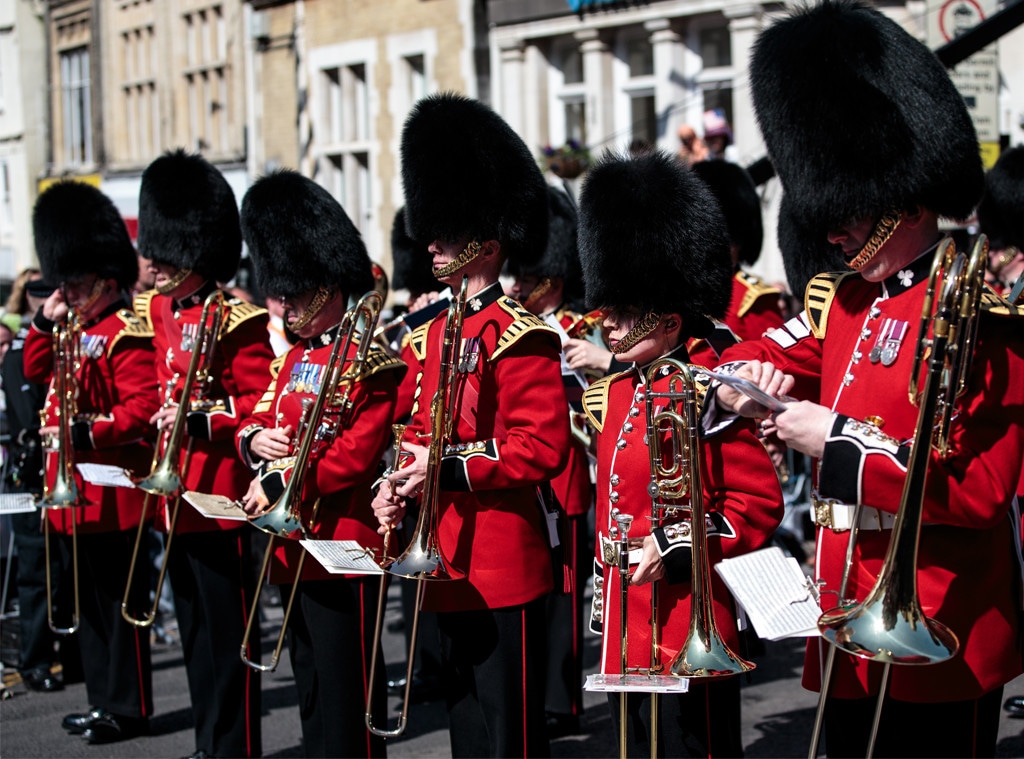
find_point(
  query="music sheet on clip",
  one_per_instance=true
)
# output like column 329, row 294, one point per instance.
column 105, row 475
column 17, row 503
column 214, row 506
column 342, row 557
column 773, row 590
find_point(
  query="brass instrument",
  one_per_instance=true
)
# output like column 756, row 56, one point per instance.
column 422, row 559
column 284, row 518
column 64, row 492
column 165, row 473
column 889, row 625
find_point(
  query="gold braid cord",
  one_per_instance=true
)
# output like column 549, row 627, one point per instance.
column 471, row 251
column 321, row 297
column 879, row 237
column 640, row 330
column 542, row 289
column 174, row 281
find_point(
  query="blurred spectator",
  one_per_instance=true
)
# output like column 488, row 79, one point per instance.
column 691, row 147
column 718, row 135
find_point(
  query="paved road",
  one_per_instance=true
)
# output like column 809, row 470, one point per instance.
column 778, row 714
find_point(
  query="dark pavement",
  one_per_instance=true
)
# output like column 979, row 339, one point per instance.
column 778, row 714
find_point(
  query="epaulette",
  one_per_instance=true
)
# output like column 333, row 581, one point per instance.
column 595, row 400
column 241, row 311
column 418, row 341
column 756, row 288
column 141, row 305
column 996, row 305
column 379, row 360
column 266, row 401
column 522, row 323
column 818, row 297
column 133, row 327
column 276, row 364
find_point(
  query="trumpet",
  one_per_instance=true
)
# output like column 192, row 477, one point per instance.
column 284, row 518
column 165, row 473
column 889, row 625
column 64, row 492
column 422, row 559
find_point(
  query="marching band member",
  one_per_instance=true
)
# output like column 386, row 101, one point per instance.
column 510, row 429
column 83, row 245
column 552, row 289
column 654, row 250
column 189, row 233
column 877, row 187
column 308, row 254
column 1001, row 219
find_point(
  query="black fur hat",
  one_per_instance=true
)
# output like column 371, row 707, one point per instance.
column 465, row 172
column 860, row 118
column 740, row 203
column 652, row 237
column 300, row 238
column 412, row 268
column 561, row 256
column 806, row 251
column 1001, row 211
column 79, row 232
column 188, row 216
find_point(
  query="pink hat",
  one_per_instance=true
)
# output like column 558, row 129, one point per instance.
column 715, row 124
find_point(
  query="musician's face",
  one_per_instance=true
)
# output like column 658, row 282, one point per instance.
column 296, row 306
column 161, row 273
column 619, row 322
column 87, row 294
column 854, row 235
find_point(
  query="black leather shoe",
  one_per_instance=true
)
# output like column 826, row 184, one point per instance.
column 199, row 754
column 560, row 725
column 76, row 724
column 1014, row 706
column 110, row 728
column 41, row 680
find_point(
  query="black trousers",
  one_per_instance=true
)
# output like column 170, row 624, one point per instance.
column 703, row 722
column 35, row 639
column 945, row 729
column 115, row 655
column 565, row 611
column 213, row 582
column 330, row 639
column 493, row 675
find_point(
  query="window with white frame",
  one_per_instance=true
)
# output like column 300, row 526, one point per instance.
column 140, row 105
column 570, row 122
column 207, row 78
column 6, row 204
column 715, row 79
column 75, row 107
column 340, row 110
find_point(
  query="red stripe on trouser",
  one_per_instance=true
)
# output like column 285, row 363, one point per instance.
column 138, row 670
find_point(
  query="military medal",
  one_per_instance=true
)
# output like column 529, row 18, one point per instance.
column 470, row 355
column 876, row 352
column 893, row 342
column 93, row 345
column 189, row 332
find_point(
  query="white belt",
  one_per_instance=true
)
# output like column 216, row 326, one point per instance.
column 838, row 516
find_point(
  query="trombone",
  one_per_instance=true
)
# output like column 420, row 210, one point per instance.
column 284, row 518
column 422, row 559
column 889, row 626
column 165, row 473
column 64, row 492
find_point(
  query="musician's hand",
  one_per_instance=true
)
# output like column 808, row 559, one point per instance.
column 804, row 426
column 422, row 301
column 164, row 418
column 50, row 431
column 583, row 354
column 54, row 307
column 388, row 508
column 766, row 376
column 254, row 501
column 651, row 567
column 407, row 482
column 271, row 443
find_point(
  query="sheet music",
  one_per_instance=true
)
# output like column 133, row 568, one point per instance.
column 17, row 503
column 580, row 379
column 342, row 557
column 748, row 388
column 637, row 683
column 214, row 506
column 106, row 475
column 774, row 592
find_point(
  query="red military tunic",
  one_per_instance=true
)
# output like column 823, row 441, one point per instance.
column 753, row 307
column 741, row 496
column 340, row 475
column 966, row 558
column 572, row 486
column 241, row 362
column 116, row 397
column 511, row 434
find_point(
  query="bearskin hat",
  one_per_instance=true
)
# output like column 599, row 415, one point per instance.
column 561, row 257
column 652, row 237
column 465, row 172
column 1001, row 211
column 412, row 268
column 188, row 217
column 860, row 118
column 737, row 195
column 79, row 232
column 806, row 251
column 300, row 238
